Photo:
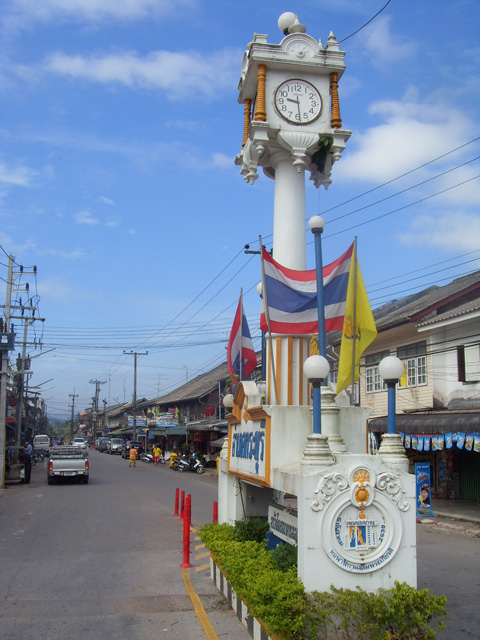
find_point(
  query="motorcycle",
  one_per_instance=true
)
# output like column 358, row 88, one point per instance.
column 190, row 464
column 146, row 457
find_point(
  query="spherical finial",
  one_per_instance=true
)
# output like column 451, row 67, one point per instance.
column 285, row 21
column 260, row 289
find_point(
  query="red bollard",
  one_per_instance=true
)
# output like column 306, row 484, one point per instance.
column 177, row 494
column 182, row 506
column 215, row 511
column 186, row 534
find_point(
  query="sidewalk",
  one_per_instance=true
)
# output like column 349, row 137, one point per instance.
column 460, row 516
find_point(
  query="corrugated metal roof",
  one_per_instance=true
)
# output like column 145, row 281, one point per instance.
column 468, row 307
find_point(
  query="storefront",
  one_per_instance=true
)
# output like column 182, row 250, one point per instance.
column 449, row 441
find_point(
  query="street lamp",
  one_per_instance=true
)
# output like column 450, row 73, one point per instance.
column 317, row 224
column 391, row 370
column 391, row 448
column 228, row 401
column 316, row 369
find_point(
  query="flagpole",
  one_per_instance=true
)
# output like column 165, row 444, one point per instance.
column 267, row 317
column 240, row 369
column 354, row 336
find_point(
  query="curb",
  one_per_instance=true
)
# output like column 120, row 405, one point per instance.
column 252, row 625
column 469, row 529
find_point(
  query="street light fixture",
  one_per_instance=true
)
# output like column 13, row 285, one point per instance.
column 228, row 401
column 316, row 369
column 391, row 370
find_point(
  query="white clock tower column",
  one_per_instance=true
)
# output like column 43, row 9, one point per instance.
column 292, row 125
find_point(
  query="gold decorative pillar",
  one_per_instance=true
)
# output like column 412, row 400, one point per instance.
column 336, row 120
column 260, row 106
column 247, row 118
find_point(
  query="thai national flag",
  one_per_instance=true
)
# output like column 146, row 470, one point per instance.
column 240, row 346
column 292, row 296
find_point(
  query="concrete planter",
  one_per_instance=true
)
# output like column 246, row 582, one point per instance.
column 255, row 627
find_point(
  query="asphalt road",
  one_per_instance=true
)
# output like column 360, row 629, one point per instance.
column 87, row 562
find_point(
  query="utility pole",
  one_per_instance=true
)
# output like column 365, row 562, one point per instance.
column 4, row 372
column 73, row 396
column 104, row 416
column 135, row 354
column 97, row 384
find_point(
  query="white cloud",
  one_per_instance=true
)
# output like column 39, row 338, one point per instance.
column 451, row 231
column 85, row 217
column 95, row 10
column 16, row 176
column 112, row 222
column 105, row 200
column 175, row 73
column 75, row 254
column 383, row 47
column 409, row 133
column 222, row 161
column 132, row 232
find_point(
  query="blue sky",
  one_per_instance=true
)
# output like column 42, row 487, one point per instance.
column 118, row 133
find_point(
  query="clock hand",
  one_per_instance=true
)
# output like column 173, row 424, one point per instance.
column 297, row 102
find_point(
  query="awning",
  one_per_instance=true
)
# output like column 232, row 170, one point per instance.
column 168, row 431
column 217, row 443
column 430, row 423
column 208, row 425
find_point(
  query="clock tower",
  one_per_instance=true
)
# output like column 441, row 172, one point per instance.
column 292, row 124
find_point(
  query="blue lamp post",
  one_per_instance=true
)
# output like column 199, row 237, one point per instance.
column 317, row 224
column 316, row 369
column 391, row 370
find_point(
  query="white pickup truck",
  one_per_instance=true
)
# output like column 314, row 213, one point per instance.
column 67, row 461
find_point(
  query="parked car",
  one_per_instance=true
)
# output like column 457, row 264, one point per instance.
column 41, row 443
column 102, row 445
column 131, row 443
column 80, row 442
column 115, row 445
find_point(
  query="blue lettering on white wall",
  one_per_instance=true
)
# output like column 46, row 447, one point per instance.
column 248, row 445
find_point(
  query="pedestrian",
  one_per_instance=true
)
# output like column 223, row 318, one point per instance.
column 27, row 462
column 133, row 457
column 157, row 452
column 29, row 449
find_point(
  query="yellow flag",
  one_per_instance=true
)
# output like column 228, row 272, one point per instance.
column 404, row 378
column 359, row 327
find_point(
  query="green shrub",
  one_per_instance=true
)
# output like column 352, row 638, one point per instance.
column 284, row 557
column 253, row 528
column 401, row 613
column 274, row 594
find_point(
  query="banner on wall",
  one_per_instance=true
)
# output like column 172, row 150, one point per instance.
column 423, row 487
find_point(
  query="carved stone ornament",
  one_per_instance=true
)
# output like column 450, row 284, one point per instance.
column 328, row 486
column 360, row 528
column 391, row 485
column 298, row 143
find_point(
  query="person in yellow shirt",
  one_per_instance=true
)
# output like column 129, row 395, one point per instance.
column 157, row 452
column 133, row 457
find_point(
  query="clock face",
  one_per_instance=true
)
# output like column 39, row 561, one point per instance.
column 298, row 101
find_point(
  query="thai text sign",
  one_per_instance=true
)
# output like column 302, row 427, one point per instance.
column 283, row 524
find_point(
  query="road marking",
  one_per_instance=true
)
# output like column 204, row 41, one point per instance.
column 200, row 556
column 202, row 567
column 199, row 546
column 208, row 630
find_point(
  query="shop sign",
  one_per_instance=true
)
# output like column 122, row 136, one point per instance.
column 423, row 490
column 283, row 524
column 140, row 422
